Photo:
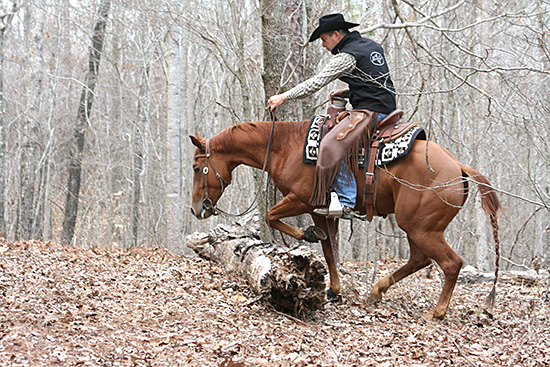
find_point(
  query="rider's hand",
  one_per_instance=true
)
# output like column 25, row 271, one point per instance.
column 276, row 101
column 338, row 93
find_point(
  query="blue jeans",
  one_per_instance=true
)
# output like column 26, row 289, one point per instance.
column 347, row 189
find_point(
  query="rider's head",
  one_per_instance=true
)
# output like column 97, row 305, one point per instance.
column 331, row 27
column 332, row 38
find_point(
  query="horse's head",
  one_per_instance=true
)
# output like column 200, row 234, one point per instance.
column 208, row 181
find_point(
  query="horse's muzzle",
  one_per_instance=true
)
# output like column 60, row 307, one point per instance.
column 206, row 210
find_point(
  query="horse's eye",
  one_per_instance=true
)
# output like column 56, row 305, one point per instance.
column 197, row 169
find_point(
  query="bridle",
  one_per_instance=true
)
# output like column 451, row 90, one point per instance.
column 207, row 202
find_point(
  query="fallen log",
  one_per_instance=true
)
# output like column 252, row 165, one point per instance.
column 293, row 280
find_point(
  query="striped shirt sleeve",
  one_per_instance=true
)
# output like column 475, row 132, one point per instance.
column 339, row 65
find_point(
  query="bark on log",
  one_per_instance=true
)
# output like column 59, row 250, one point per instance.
column 291, row 279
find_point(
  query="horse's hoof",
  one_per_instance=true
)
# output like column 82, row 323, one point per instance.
column 373, row 300
column 333, row 297
column 429, row 316
column 374, row 297
column 432, row 316
column 314, row 234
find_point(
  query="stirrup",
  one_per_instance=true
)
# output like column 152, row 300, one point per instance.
column 334, row 209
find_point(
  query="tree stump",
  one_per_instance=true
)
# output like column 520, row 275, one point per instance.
column 293, row 279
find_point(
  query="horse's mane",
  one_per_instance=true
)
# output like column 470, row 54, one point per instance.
column 257, row 131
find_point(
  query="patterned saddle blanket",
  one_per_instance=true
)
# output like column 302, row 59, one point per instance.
column 313, row 139
column 398, row 147
column 389, row 150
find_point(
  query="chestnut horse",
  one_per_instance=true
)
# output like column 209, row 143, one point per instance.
column 423, row 200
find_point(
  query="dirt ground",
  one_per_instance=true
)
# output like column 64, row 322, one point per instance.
column 67, row 306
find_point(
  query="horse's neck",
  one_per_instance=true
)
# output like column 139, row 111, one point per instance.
column 245, row 143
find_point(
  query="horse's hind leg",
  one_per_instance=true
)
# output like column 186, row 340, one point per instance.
column 433, row 245
column 417, row 261
column 423, row 249
column 450, row 263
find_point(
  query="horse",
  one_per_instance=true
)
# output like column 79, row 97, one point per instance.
column 423, row 197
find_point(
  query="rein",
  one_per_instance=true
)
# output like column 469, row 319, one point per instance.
column 207, row 202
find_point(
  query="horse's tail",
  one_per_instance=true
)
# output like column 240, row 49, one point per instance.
column 491, row 206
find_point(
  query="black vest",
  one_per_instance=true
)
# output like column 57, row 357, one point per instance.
column 370, row 84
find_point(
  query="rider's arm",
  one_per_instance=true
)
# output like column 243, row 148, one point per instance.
column 339, row 65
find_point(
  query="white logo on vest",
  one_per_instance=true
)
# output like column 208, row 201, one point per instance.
column 376, row 58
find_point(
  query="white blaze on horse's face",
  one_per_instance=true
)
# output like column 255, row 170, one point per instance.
column 207, row 187
column 205, row 193
column 208, row 182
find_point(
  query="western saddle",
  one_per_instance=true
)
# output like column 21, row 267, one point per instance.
column 387, row 130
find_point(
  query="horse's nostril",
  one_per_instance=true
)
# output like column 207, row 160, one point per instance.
column 193, row 211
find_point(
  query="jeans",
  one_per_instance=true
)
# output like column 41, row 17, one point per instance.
column 347, row 189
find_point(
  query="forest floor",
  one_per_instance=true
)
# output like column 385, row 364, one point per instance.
column 67, row 306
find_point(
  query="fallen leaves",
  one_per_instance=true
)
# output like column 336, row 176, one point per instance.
column 61, row 305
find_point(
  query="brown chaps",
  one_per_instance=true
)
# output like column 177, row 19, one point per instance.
column 341, row 146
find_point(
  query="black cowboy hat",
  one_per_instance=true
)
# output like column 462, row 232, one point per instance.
column 331, row 22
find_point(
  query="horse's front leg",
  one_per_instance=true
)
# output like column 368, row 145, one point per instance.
column 330, row 256
column 290, row 206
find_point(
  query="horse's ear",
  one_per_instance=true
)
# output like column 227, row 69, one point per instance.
column 197, row 141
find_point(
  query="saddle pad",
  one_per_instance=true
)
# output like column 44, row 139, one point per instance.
column 387, row 153
column 313, row 138
column 400, row 147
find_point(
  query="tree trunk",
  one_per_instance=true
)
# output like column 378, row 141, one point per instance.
column 2, row 140
column 142, row 110
column 482, row 227
column 173, row 146
column 4, row 22
column 30, row 145
column 282, row 27
column 84, row 109
column 40, row 202
column 291, row 279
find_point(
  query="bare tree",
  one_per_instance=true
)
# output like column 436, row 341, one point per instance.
column 173, row 144
column 83, row 118
column 2, row 138
column 5, row 20
column 138, row 148
column 30, row 146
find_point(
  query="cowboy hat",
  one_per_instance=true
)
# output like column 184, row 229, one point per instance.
column 331, row 22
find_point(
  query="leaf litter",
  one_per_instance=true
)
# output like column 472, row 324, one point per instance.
column 67, row 306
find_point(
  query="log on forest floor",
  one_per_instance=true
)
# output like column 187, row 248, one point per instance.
column 291, row 279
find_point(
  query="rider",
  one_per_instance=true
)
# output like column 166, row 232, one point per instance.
column 359, row 62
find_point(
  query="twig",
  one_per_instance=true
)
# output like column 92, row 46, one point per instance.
column 389, row 235
column 432, row 325
column 335, row 353
column 297, row 320
column 321, row 104
column 255, row 300
column 511, row 262
column 231, row 111
column 205, row 35
column 453, row 182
